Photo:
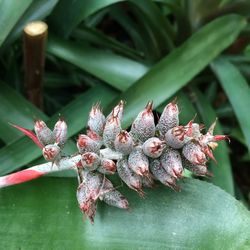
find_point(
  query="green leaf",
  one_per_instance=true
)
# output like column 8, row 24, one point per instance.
column 11, row 11
column 159, row 29
column 38, row 10
column 180, row 66
column 23, row 151
column 222, row 171
column 238, row 93
column 97, row 37
column 45, row 212
column 17, row 110
column 120, row 72
column 76, row 11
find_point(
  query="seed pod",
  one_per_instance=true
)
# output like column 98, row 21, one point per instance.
column 138, row 162
column 96, row 120
column 153, row 147
column 107, row 166
column 193, row 152
column 117, row 111
column 51, row 152
column 113, row 197
column 88, row 193
column 169, row 119
column 143, row 126
column 43, row 133
column 160, row 174
column 90, row 161
column 171, row 161
column 177, row 137
column 123, row 143
column 86, row 144
column 60, row 133
column 111, row 130
column 129, row 177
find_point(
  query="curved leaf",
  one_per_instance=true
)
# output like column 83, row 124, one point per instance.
column 238, row 93
column 76, row 11
column 201, row 216
column 175, row 70
column 15, row 109
column 120, row 72
column 11, row 11
column 38, row 10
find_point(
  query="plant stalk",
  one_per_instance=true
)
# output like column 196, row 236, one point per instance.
column 34, row 41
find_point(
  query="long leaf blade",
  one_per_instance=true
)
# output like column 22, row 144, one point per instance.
column 238, row 93
column 201, row 216
column 179, row 67
column 11, row 11
column 120, row 72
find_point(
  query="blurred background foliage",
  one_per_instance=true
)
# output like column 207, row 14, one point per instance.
column 107, row 50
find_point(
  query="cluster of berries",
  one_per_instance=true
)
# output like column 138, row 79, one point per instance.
column 146, row 153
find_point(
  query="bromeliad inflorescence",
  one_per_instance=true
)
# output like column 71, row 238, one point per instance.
column 146, row 153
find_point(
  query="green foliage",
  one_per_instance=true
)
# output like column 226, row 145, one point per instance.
column 107, row 50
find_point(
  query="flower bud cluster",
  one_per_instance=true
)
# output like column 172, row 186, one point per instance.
column 146, row 153
column 52, row 141
column 150, row 151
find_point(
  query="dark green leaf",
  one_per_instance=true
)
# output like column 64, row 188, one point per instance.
column 38, row 10
column 17, row 110
column 45, row 213
column 11, row 11
column 238, row 93
column 179, row 67
column 76, row 11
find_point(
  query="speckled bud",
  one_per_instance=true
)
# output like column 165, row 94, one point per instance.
column 176, row 137
column 111, row 130
column 193, row 152
column 153, row 147
column 88, row 193
column 124, row 143
column 113, row 197
column 169, row 119
column 96, row 120
column 107, row 166
column 86, row 144
column 129, row 177
column 51, row 152
column 60, row 133
column 171, row 162
column 117, row 111
column 160, row 174
column 199, row 170
column 90, row 161
column 94, row 136
column 138, row 162
column 43, row 133
column 143, row 126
